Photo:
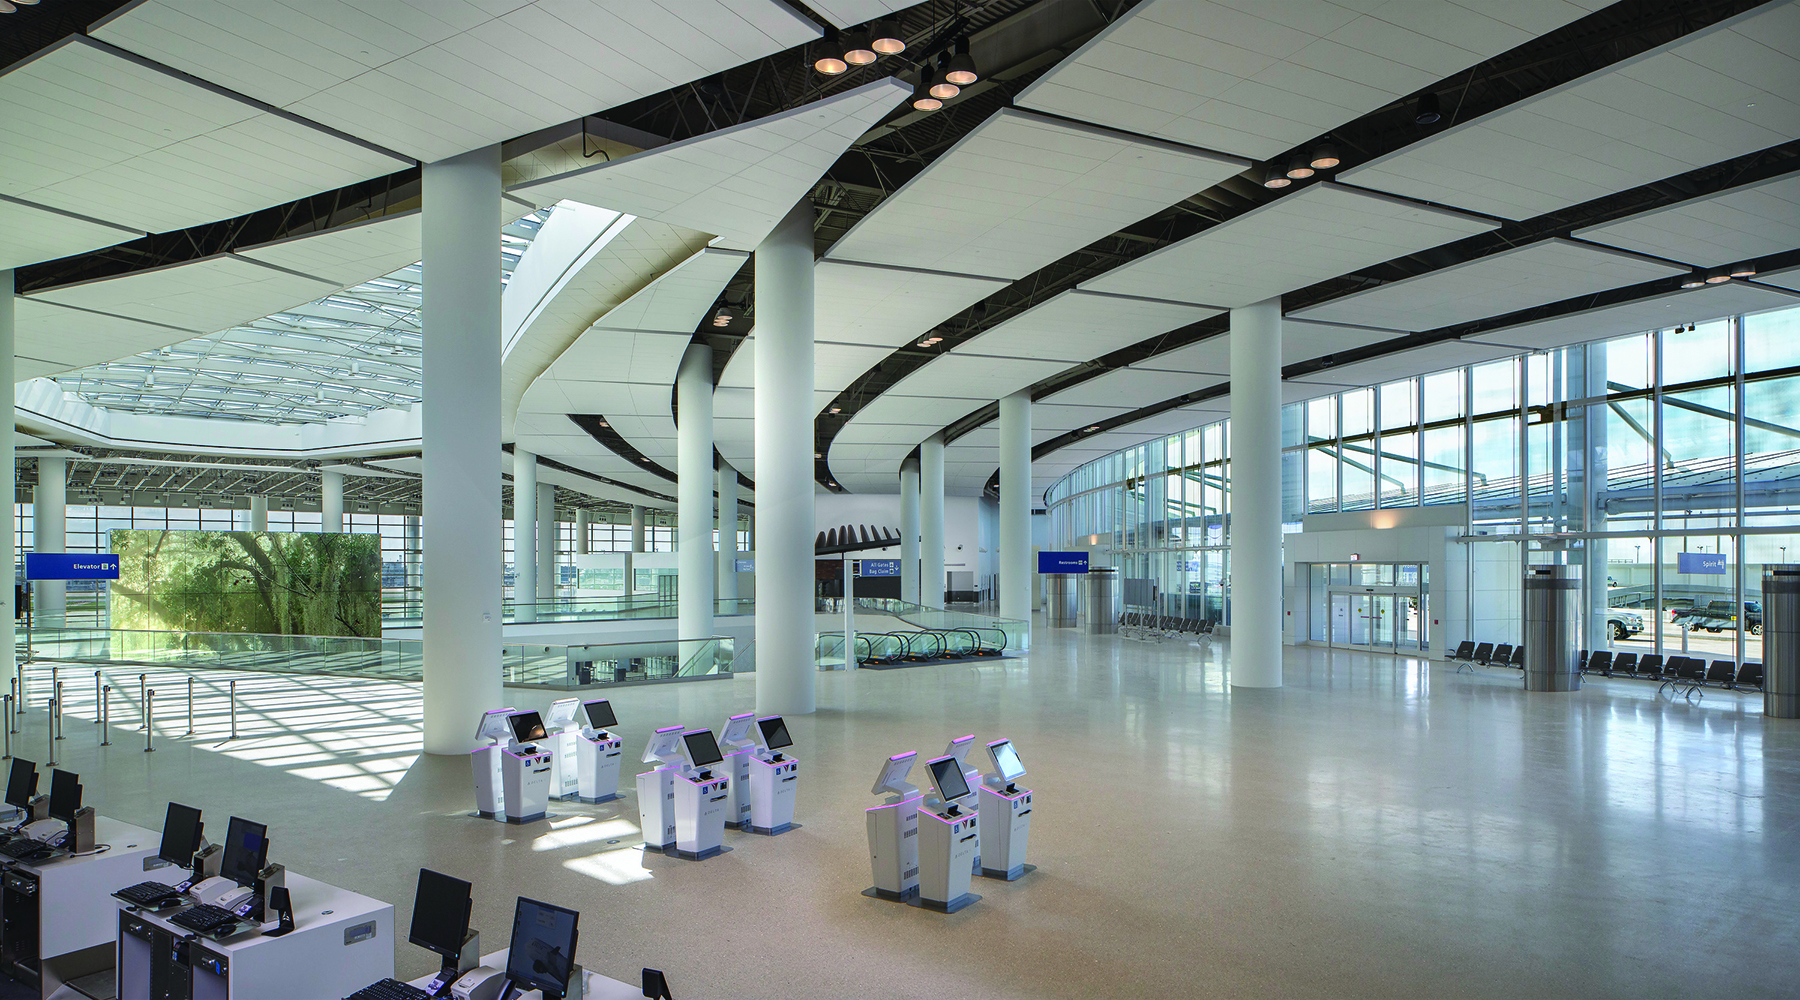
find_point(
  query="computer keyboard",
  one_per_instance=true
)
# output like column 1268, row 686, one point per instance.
column 204, row 918
column 389, row 989
column 148, row 893
column 22, row 847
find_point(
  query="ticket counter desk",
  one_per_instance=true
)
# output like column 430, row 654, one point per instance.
column 593, row 985
column 57, row 916
column 340, row 943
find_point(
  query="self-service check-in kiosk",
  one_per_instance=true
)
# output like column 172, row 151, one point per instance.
column 959, row 748
column 774, row 779
column 561, row 737
column 738, row 745
column 949, row 839
column 525, row 768
column 656, row 788
column 702, row 794
column 894, row 830
column 1005, row 812
column 496, row 733
column 598, row 753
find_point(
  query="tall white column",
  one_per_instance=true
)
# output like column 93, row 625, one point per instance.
column 584, row 518
column 525, row 549
column 1255, row 523
column 728, row 521
column 931, row 522
column 50, row 520
column 331, row 502
column 1015, row 507
column 694, row 556
column 259, row 513
column 909, row 531
column 8, row 484
column 461, row 495
column 546, row 541
column 637, row 529
column 785, row 671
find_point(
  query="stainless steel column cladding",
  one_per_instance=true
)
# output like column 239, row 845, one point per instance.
column 1552, row 618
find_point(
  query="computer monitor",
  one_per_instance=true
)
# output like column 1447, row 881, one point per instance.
column 440, row 918
column 1006, row 760
column 892, row 777
column 774, row 732
column 246, row 851
column 959, row 748
column 702, row 749
column 600, row 714
column 22, row 784
column 181, row 835
column 65, row 795
column 665, row 745
column 527, row 727
column 947, row 775
column 542, row 953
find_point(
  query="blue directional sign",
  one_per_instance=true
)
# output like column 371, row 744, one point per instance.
column 880, row 567
column 71, row 566
column 1062, row 562
column 1700, row 562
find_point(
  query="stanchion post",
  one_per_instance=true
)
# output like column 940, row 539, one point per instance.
column 149, row 719
column 51, row 731
column 234, row 710
column 143, row 700
column 96, row 697
column 56, row 719
column 106, row 716
column 7, row 700
column 190, row 731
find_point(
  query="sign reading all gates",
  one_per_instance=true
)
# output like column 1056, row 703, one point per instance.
column 746, row 565
column 71, row 566
column 1062, row 562
column 1700, row 562
column 880, row 567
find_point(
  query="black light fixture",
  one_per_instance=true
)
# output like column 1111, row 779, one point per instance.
column 856, row 49
column 1745, row 270
column 830, row 62
column 1298, row 169
column 1276, row 179
column 1325, row 157
column 1427, row 110
column 1695, row 280
column 1718, row 277
column 921, row 98
column 941, row 87
column 886, row 39
column 723, row 317
column 961, row 69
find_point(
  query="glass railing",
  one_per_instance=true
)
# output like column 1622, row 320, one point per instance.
column 558, row 667
column 402, row 613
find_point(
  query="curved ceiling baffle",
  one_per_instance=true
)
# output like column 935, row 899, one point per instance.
column 1211, row 76
column 737, row 182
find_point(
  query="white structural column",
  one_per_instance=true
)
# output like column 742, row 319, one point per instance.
column 909, row 530
column 525, row 550
column 785, row 671
column 461, row 494
column 583, row 519
column 8, row 480
column 931, row 522
column 1256, row 495
column 546, row 543
column 1015, row 508
column 49, row 533
column 259, row 513
column 694, row 557
column 637, row 529
column 331, row 502
column 728, row 520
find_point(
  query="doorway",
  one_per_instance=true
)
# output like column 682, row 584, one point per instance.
column 1373, row 606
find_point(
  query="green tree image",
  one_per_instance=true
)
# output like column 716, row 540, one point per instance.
column 247, row 581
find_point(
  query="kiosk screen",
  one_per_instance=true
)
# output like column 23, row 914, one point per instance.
column 441, row 913
column 181, row 835
column 702, row 749
column 527, row 727
column 774, row 732
column 246, row 851
column 600, row 714
column 1006, row 759
column 65, row 795
column 543, row 947
column 22, row 784
column 947, row 775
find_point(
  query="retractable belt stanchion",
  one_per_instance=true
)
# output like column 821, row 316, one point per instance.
column 50, row 731
column 190, row 729
column 149, row 719
column 106, row 716
column 56, row 717
column 234, row 734
column 96, row 697
column 6, row 700
column 143, row 702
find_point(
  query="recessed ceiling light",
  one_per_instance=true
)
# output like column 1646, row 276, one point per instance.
column 828, row 62
column 1276, row 179
column 1299, row 169
column 1717, row 278
column 1325, row 157
column 1694, row 283
column 1427, row 111
column 856, row 49
column 1744, row 271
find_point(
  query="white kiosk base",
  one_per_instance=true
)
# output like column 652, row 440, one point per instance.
column 597, row 767
column 656, row 808
column 525, row 779
column 1005, row 827
column 485, row 762
column 894, row 849
column 772, row 789
column 737, row 763
column 700, row 816
column 948, row 846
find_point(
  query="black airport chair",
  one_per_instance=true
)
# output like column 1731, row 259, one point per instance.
column 1518, row 657
column 1650, row 666
column 1581, row 659
column 1483, row 653
column 1689, row 671
column 1464, row 651
column 1750, row 675
column 1624, row 664
column 1601, row 662
column 1722, row 672
column 1502, row 655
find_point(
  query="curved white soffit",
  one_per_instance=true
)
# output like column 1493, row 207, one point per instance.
column 42, row 408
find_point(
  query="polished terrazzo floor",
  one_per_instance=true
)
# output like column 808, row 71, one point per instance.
column 1379, row 827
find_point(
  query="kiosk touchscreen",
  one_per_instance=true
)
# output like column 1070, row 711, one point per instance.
column 492, row 734
column 702, row 750
column 894, row 830
column 75, row 823
column 701, row 798
column 774, row 735
column 21, row 788
column 1005, row 813
column 542, row 953
column 738, row 743
column 947, row 777
column 656, row 788
column 240, row 882
column 949, row 840
column 774, row 779
column 525, row 770
column 563, row 728
column 440, row 924
column 181, row 835
column 598, row 753
column 959, row 748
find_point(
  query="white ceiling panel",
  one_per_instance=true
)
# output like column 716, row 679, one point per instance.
column 1300, row 341
column 974, row 376
column 845, row 13
column 89, row 131
column 205, row 295
column 1402, row 364
column 1062, row 417
column 1738, row 224
column 1721, row 92
column 51, row 338
column 1021, row 191
column 835, row 366
column 1786, row 278
column 1256, row 79
column 918, row 411
column 1654, row 313
column 434, row 79
column 1134, row 387
column 1321, row 231
column 1501, row 283
column 348, row 255
column 737, row 182
column 889, row 306
column 32, row 233
column 1076, row 326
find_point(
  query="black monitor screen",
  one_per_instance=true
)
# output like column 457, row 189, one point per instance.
column 181, row 835
column 774, row 732
column 702, row 749
column 22, row 785
column 441, row 913
column 947, row 775
column 246, row 851
column 65, row 795
column 543, row 947
column 599, row 713
column 527, row 727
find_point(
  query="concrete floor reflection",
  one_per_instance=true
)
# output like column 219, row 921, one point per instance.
column 1381, row 826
